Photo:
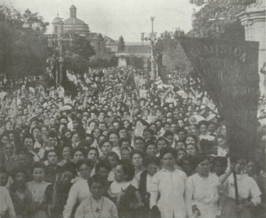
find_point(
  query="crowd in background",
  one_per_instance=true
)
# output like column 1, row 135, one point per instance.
column 122, row 147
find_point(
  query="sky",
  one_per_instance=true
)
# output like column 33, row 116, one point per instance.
column 115, row 17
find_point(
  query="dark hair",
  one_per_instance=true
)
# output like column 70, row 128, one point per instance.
column 203, row 122
column 28, row 136
column 52, row 134
column 17, row 170
column 192, row 136
column 124, row 140
column 141, row 153
column 167, row 133
column 95, row 149
column 162, row 138
column 112, row 154
column 151, row 160
column 103, row 163
column 200, row 158
column 82, row 150
column 38, row 165
column 221, row 160
column 87, row 162
column 128, row 170
column 96, row 179
column 180, row 149
column 139, row 138
column 104, row 141
column 47, row 153
column 167, row 150
column 191, row 160
column 148, row 143
column 69, row 167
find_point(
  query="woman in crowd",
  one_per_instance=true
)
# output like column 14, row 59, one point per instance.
column 137, row 162
column 37, row 189
column 168, row 187
column 248, row 191
column 80, row 190
column 125, row 195
column 96, row 205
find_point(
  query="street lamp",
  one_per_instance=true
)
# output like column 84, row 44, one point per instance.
column 152, row 38
column 60, row 39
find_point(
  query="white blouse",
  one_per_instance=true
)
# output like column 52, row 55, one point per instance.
column 78, row 192
column 247, row 187
column 169, row 186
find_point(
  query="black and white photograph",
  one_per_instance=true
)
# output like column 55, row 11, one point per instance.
column 132, row 108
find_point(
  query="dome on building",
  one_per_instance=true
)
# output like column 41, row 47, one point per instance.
column 57, row 20
column 73, row 24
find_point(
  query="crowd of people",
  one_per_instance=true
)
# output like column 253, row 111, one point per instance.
column 123, row 147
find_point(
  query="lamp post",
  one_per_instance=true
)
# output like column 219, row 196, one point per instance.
column 60, row 39
column 152, row 38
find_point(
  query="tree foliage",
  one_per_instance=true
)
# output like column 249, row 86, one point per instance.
column 221, row 14
column 22, row 51
column 170, row 54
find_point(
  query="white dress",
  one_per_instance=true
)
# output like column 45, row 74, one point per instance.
column 203, row 192
column 169, row 186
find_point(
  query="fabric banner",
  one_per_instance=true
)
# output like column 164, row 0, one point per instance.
column 229, row 70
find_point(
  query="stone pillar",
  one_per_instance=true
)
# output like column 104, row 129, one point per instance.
column 253, row 19
column 122, row 61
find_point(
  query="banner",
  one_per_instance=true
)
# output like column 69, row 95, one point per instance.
column 229, row 70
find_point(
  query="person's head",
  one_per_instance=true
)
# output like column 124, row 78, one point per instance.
column 93, row 154
column 52, row 139
column 147, row 134
column 221, row 141
column 219, row 165
column 167, row 126
column 181, row 134
column 124, row 172
column 97, row 186
column 113, row 137
column 203, row 125
column 106, row 147
column 252, row 168
column 113, row 159
column 192, row 150
column 75, row 139
column 96, row 133
column 85, row 167
column 139, row 143
column 92, row 124
column 203, row 164
column 180, row 154
column 122, row 132
column 103, row 168
column 125, row 154
column 3, row 176
column 151, row 164
column 151, row 148
column 137, row 158
column 4, row 139
column 36, row 132
column 162, row 143
column 167, row 157
column 52, row 157
column 68, row 172
column 19, row 177
column 78, row 154
column 169, row 135
column 66, row 152
column 124, row 142
column 188, row 165
column 9, row 150
column 211, row 127
column 191, row 139
column 38, row 172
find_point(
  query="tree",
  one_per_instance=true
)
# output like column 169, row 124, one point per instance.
column 121, row 45
column 22, row 51
column 170, row 55
column 221, row 14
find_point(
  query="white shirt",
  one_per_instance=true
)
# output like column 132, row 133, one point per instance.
column 78, row 192
column 247, row 187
